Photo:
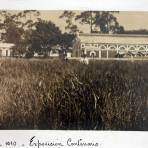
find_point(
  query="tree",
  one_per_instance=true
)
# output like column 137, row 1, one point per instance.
column 66, row 42
column 23, row 19
column 15, row 26
column 70, row 15
column 86, row 17
column 105, row 20
column 44, row 36
column 14, row 35
column 30, row 17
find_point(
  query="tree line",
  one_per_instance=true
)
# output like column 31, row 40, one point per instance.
column 99, row 21
column 38, row 35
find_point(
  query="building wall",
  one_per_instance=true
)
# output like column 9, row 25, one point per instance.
column 6, row 49
column 106, row 46
column 4, row 52
column 113, row 38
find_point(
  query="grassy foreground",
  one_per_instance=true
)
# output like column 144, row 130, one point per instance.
column 41, row 94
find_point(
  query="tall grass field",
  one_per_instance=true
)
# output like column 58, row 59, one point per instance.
column 55, row 94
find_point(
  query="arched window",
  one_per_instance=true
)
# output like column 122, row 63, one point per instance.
column 93, row 54
column 132, row 48
column 102, row 47
column 82, row 45
column 122, row 48
column 142, row 49
column 112, row 47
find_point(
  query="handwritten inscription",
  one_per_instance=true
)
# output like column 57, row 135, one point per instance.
column 35, row 142
column 81, row 142
column 38, row 143
column 10, row 143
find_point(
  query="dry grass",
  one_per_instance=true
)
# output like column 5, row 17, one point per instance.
column 41, row 94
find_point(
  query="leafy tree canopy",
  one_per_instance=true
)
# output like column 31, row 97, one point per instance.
column 71, row 26
column 66, row 40
column 15, row 28
column 104, row 20
column 45, row 35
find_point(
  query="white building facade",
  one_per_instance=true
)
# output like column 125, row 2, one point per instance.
column 6, row 49
column 110, row 45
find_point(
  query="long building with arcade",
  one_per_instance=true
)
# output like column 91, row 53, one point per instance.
column 110, row 45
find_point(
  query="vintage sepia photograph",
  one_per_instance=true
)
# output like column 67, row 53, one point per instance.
column 73, row 70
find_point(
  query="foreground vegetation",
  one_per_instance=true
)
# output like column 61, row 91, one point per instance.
column 41, row 94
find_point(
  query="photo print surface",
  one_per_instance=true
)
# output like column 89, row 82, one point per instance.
column 74, row 70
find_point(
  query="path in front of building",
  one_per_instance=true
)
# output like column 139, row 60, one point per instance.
column 112, row 59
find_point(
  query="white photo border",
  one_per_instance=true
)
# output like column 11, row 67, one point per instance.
column 112, row 5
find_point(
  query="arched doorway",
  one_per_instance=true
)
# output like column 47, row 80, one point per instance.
column 93, row 54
